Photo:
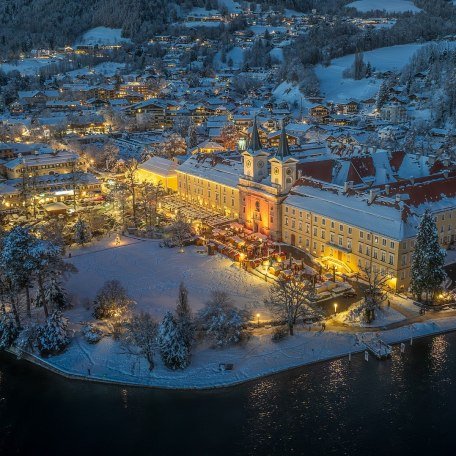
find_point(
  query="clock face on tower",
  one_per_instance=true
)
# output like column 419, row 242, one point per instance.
column 288, row 171
column 249, row 163
column 276, row 170
column 260, row 164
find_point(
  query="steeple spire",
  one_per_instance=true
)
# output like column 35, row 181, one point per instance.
column 284, row 150
column 254, row 141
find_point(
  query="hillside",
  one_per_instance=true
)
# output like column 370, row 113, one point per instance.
column 49, row 23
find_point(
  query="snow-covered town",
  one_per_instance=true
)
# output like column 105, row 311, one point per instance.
column 206, row 193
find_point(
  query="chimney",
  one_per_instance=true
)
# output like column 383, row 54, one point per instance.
column 446, row 161
column 446, row 174
column 387, row 189
column 372, row 195
column 412, row 180
column 348, row 185
column 398, row 197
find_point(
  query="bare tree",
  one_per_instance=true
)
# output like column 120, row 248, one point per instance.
column 289, row 300
column 140, row 337
column 131, row 170
column 375, row 293
column 180, row 231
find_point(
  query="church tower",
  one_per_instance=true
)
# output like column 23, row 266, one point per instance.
column 283, row 166
column 255, row 158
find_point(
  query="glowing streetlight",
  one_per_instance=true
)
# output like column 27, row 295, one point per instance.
column 258, row 319
column 335, row 308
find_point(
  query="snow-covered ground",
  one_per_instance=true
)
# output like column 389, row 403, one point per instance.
column 383, row 316
column 261, row 29
column 290, row 93
column 28, row 67
column 390, row 6
column 338, row 89
column 102, row 36
column 236, row 55
column 152, row 274
column 107, row 69
column 259, row 357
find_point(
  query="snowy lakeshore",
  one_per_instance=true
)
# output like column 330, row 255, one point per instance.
column 260, row 357
column 152, row 275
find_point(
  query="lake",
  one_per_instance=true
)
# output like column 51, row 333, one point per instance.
column 406, row 405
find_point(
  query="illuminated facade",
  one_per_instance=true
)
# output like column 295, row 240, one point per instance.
column 346, row 229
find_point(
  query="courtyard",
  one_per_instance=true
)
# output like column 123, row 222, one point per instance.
column 152, row 274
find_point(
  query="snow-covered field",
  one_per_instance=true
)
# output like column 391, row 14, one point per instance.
column 103, row 36
column 28, row 67
column 107, row 69
column 390, row 6
column 236, row 55
column 152, row 274
column 259, row 357
column 335, row 88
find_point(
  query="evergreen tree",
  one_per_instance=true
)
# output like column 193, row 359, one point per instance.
column 173, row 350
column 184, row 318
column 428, row 259
column 55, row 295
column 192, row 136
column 53, row 335
column 382, row 96
column 8, row 330
column 82, row 233
column 18, row 263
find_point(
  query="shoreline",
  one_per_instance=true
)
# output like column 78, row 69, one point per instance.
column 58, row 370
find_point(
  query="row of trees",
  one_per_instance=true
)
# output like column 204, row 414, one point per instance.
column 31, row 275
column 174, row 337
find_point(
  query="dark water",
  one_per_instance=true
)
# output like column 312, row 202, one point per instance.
column 404, row 406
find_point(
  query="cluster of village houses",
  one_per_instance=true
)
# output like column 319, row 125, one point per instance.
column 308, row 177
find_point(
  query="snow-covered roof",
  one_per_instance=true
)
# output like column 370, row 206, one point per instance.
column 224, row 172
column 160, row 166
column 354, row 210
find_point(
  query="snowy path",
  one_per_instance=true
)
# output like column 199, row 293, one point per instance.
column 258, row 358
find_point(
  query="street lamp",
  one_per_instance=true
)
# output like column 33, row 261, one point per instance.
column 335, row 308
column 258, row 317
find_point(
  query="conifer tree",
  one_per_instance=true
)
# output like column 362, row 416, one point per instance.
column 173, row 350
column 8, row 330
column 55, row 295
column 82, row 233
column 184, row 318
column 428, row 259
column 53, row 335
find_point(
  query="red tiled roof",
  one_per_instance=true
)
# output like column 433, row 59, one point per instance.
column 397, row 157
column 321, row 170
column 360, row 168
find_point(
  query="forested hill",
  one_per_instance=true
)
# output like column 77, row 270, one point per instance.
column 32, row 23
column 27, row 24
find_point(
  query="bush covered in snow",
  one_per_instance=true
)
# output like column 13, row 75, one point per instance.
column 28, row 338
column 53, row 335
column 8, row 330
column 173, row 349
column 279, row 333
column 112, row 301
column 222, row 322
column 92, row 334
